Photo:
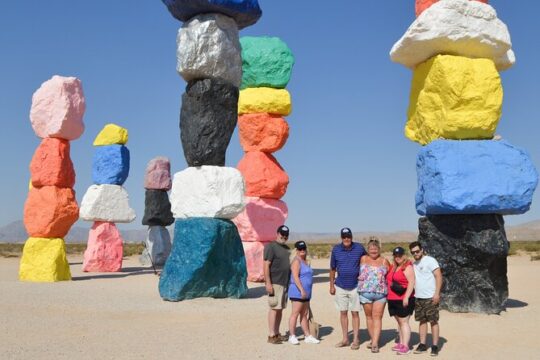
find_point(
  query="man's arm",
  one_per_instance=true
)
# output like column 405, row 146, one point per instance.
column 438, row 285
column 267, row 279
column 332, row 279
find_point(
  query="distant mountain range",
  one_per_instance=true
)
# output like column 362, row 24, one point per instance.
column 16, row 233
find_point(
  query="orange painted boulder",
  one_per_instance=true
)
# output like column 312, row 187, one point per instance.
column 422, row 5
column 104, row 250
column 263, row 175
column 254, row 260
column 51, row 164
column 262, row 132
column 50, row 211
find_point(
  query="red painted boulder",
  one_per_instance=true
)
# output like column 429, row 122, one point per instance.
column 51, row 164
column 422, row 5
column 50, row 211
column 58, row 107
column 105, row 249
column 254, row 252
column 263, row 175
column 262, row 132
column 158, row 174
column 260, row 219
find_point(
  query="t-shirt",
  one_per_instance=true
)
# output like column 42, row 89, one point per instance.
column 280, row 267
column 425, row 280
column 347, row 263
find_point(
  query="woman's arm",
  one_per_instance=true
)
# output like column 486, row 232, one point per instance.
column 409, row 274
column 295, row 271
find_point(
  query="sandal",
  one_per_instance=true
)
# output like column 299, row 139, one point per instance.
column 341, row 344
column 374, row 349
column 369, row 345
column 355, row 346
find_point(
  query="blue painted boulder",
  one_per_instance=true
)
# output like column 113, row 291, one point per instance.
column 207, row 260
column 244, row 12
column 111, row 165
column 474, row 177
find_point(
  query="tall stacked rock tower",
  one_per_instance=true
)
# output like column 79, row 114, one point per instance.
column 207, row 258
column 106, row 202
column 51, row 208
column 267, row 67
column 157, row 212
column 468, row 178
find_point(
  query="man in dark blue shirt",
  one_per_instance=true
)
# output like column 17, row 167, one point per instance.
column 345, row 261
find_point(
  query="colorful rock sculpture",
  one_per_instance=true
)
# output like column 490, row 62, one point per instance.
column 107, row 202
column 207, row 259
column 51, row 208
column 267, row 67
column 158, row 174
column 466, row 181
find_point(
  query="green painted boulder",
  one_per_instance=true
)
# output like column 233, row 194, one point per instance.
column 266, row 62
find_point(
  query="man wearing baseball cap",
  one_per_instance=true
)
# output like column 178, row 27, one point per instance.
column 276, row 278
column 345, row 260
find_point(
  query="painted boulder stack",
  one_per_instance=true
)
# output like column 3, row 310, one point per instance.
column 468, row 178
column 106, row 202
column 207, row 258
column 157, row 212
column 51, row 208
column 267, row 64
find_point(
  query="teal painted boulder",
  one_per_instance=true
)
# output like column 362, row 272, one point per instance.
column 266, row 62
column 207, row 260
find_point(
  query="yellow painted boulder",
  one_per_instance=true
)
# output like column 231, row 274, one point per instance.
column 264, row 100
column 110, row 135
column 44, row 260
column 454, row 97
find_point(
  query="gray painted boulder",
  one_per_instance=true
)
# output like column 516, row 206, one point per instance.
column 158, row 246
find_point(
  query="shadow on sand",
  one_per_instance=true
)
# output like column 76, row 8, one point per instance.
column 125, row 272
column 515, row 304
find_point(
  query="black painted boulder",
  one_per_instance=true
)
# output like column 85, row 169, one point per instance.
column 207, row 121
column 472, row 252
column 157, row 209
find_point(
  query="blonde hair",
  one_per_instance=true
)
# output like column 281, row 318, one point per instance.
column 374, row 241
column 403, row 265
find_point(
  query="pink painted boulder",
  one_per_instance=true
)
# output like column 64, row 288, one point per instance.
column 260, row 219
column 57, row 108
column 254, row 260
column 158, row 174
column 51, row 164
column 104, row 250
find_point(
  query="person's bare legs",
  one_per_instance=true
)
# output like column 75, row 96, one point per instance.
column 356, row 326
column 435, row 333
column 377, row 314
column 272, row 322
column 405, row 330
column 344, row 319
column 368, row 311
column 279, row 316
column 304, row 318
column 296, row 308
column 422, row 331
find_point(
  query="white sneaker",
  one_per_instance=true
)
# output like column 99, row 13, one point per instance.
column 293, row 340
column 311, row 340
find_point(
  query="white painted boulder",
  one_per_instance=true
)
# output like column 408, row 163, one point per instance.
column 456, row 27
column 208, row 46
column 208, row 191
column 106, row 203
column 260, row 219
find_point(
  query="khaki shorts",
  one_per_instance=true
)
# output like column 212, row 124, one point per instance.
column 347, row 300
column 279, row 300
column 426, row 311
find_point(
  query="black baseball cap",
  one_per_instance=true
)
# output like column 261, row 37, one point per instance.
column 346, row 232
column 283, row 230
column 398, row 251
column 300, row 245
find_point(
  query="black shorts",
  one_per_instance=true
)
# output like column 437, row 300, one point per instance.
column 300, row 300
column 395, row 308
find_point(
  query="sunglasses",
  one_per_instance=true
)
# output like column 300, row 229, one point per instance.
column 416, row 252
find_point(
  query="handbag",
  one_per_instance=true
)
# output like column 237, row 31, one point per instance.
column 397, row 287
column 313, row 325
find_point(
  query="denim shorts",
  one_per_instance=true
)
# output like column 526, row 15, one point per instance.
column 371, row 297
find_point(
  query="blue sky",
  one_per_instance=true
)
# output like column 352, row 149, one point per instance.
column 347, row 158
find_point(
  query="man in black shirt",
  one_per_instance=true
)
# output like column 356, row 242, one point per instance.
column 276, row 277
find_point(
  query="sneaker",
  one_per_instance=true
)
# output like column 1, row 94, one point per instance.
column 311, row 340
column 396, row 347
column 404, row 350
column 274, row 340
column 293, row 340
column 420, row 349
column 434, row 350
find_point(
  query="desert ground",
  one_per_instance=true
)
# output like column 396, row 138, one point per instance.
column 121, row 316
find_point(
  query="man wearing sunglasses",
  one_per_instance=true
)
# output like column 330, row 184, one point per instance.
column 428, row 282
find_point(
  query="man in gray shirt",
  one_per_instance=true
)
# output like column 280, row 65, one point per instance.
column 276, row 277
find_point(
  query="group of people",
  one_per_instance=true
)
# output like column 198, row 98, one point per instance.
column 359, row 278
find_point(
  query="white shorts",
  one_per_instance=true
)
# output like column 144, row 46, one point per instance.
column 347, row 300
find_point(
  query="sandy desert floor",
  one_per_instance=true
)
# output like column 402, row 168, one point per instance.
column 121, row 316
